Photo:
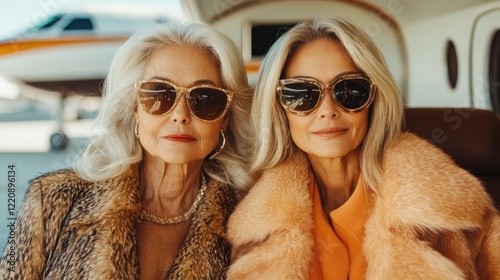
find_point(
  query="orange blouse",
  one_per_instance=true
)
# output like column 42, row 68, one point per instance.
column 338, row 250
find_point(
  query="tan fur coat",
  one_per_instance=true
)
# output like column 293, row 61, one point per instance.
column 430, row 220
column 69, row 228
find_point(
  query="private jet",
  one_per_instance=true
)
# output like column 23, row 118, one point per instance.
column 68, row 55
column 71, row 51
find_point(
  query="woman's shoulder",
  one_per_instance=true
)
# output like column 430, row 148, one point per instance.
column 59, row 180
column 56, row 176
column 416, row 156
column 285, row 183
column 220, row 195
column 412, row 159
column 429, row 186
column 55, row 179
column 68, row 183
column 54, row 191
column 278, row 202
column 410, row 143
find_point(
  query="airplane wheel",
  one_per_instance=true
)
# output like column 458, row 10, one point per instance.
column 58, row 141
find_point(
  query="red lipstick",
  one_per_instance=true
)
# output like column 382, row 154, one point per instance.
column 179, row 137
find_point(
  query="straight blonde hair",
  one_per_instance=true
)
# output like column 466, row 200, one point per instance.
column 274, row 142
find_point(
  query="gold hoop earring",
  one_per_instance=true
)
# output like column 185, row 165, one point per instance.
column 221, row 146
column 136, row 130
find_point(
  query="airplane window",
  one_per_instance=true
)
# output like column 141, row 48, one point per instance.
column 452, row 64
column 51, row 21
column 45, row 24
column 494, row 71
column 80, row 24
column 264, row 35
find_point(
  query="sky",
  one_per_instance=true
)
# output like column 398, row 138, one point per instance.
column 18, row 15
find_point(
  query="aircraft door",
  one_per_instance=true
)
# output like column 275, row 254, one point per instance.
column 485, row 61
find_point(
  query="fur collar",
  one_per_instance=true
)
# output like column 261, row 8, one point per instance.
column 86, row 230
column 422, row 191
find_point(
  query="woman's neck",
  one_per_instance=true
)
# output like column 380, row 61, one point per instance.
column 336, row 178
column 168, row 189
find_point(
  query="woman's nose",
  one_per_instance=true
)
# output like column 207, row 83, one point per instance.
column 328, row 107
column 181, row 112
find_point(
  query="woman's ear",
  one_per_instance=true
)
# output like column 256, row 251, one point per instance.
column 225, row 123
column 136, row 114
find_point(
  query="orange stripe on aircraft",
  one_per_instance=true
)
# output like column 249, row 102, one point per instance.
column 23, row 45
column 252, row 67
column 12, row 47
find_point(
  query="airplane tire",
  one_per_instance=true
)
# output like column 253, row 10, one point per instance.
column 58, row 141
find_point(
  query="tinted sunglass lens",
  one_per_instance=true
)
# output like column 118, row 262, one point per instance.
column 207, row 103
column 352, row 93
column 156, row 98
column 300, row 96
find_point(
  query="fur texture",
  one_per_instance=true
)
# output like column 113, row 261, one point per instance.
column 429, row 220
column 69, row 228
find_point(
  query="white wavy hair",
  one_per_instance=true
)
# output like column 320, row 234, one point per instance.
column 115, row 148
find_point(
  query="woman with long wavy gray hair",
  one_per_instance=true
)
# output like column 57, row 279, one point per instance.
column 151, row 195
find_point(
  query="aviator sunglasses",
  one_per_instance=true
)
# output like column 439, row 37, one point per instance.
column 206, row 102
column 301, row 96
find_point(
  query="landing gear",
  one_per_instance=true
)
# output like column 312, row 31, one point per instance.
column 58, row 141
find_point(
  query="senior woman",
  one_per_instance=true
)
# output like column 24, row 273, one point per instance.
column 151, row 195
column 344, row 193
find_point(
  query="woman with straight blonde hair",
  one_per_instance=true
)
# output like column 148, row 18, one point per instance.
column 344, row 192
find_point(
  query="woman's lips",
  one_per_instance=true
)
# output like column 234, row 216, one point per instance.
column 179, row 137
column 330, row 132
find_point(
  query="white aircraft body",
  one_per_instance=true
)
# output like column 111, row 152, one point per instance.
column 71, row 51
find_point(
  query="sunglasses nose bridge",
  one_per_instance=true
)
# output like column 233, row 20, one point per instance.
column 181, row 90
column 327, row 96
column 326, row 89
column 178, row 96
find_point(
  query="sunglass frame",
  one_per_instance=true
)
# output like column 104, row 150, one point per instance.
column 187, row 92
column 350, row 76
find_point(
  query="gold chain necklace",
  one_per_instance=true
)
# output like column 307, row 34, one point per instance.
column 184, row 217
